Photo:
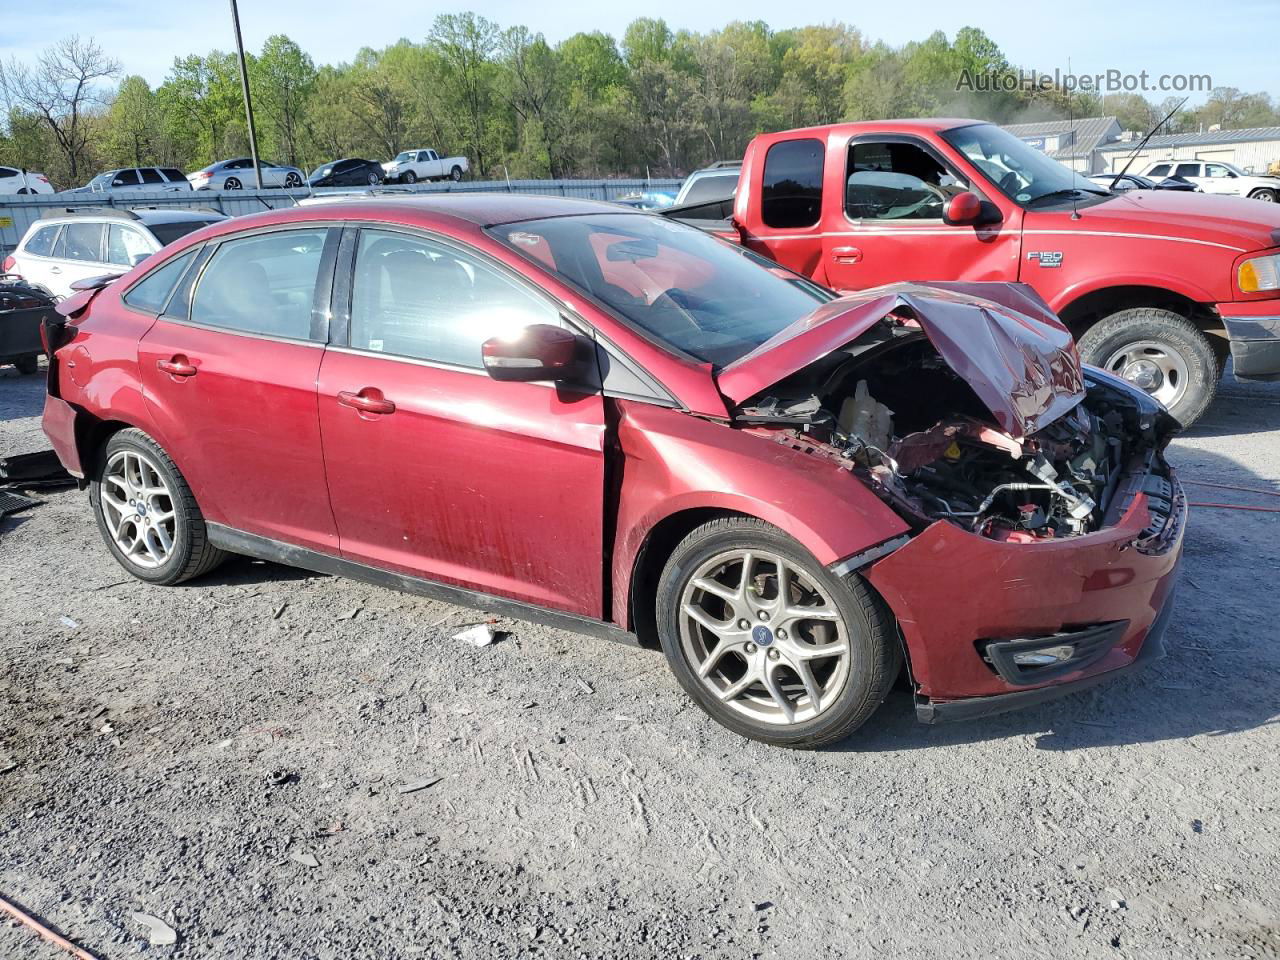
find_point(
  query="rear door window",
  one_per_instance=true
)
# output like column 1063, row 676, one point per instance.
column 80, row 241
column 151, row 293
column 41, row 242
column 151, row 175
column 1159, row 170
column 1187, row 170
column 791, row 195
column 262, row 284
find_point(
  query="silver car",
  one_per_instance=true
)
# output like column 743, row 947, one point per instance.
column 137, row 180
column 238, row 174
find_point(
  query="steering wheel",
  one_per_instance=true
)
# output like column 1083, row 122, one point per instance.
column 1010, row 183
column 680, row 302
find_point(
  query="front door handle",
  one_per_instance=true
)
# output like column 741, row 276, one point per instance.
column 178, row 366
column 55, row 269
column 846, row 254
column 368, row 400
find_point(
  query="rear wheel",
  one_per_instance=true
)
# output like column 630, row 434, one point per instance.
column 455, row 174
column 1161, row 352
column 232, row 184
column 1266, row 196
column 28, row 365
column 768, row 642
column 147, row 514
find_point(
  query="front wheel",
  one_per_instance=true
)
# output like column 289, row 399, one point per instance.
column 768, row 642
column 409, row 177
column 28, row 365
column 147, row 514
column 455, row 174
column 374, row 179
column 1160, row 351
column 292, row 181
column 1266, row 196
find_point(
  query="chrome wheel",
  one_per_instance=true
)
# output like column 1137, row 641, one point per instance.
column 763, row 638
column 1152, row 366
column 138, row 508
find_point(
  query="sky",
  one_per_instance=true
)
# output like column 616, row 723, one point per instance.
column 1175, row 37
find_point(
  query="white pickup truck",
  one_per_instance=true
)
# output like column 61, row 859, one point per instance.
column 410, row 166
column 1218, row 177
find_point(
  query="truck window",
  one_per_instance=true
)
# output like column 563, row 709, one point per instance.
column 896, row 181
column 791, row 195
column 1217, row 170
column 1187, row 170
column 1159, row 170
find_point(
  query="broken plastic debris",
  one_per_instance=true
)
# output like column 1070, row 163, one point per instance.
column 162, row 935
column 413, row 786
column 68, row 623
column 306, row 859
column 481, row 635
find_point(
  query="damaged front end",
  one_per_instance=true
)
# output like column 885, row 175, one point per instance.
column 1045, row 523
column 958, row 408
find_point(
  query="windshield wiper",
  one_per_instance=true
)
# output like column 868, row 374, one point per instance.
column 1067, row 194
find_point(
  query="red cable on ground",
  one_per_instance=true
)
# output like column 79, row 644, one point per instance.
column 45, row 932
column 1231, row 486
column 1236, row 506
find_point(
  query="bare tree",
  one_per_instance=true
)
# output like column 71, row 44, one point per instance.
column 62, row 90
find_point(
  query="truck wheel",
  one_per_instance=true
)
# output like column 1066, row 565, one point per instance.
column 1266, row 196
column 1160, row 351
column 455, row 174
column 28, row 365
column 767, row 641
column 409, row 177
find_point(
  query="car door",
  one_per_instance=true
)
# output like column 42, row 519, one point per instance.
column 437, row 471
column 888, row 224
column 127, row 246
column 35, row 257
column 1194, row 173
column 229, row 373
column 77, row 255
column 432, row 164
column 151, row 179
column 1227, row 181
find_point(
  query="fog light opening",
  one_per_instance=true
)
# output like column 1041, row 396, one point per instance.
column 1044, row 657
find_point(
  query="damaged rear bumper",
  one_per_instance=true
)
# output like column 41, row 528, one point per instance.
column 965, row 604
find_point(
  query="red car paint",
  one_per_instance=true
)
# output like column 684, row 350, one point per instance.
column 1136, row 248
column 547, row 494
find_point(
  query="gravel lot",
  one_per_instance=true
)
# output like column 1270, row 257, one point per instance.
column 230, row 756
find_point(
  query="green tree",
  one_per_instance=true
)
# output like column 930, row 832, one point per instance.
column 132, row 125
column 283, row 80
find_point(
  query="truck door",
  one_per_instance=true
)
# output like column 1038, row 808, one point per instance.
column 883, row 221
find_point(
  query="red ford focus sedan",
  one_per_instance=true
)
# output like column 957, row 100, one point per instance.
column 577, row 414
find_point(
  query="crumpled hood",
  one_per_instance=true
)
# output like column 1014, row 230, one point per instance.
column 1000, row 338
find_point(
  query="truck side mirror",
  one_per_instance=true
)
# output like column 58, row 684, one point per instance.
column 967, row 209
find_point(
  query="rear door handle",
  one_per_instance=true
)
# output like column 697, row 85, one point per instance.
column 55, row 269
column 178, row 366
column 368, row 400
column 846, row 254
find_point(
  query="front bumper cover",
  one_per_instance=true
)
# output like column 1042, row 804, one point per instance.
column 1253, row 328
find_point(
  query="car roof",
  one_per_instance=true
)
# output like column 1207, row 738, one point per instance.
column 144, row 217
column 480, row 209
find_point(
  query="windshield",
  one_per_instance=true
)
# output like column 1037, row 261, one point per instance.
column 320, row 171
column 680, row 286
column 1022, row 173
column 404, row 157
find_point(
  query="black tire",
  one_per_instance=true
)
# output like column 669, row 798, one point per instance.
column 292, row 181
column 374, row 179
column 192, row 554
column 232, row 183
column 1176, row 333
column 28, row 365
column 455, row 174
column 1266, row 196
column 873, row 648
column 409, row 177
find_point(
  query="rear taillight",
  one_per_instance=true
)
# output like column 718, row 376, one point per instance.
column 9, row 266
column 42, row 178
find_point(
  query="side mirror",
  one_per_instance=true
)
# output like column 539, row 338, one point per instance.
column 967, row 209
column 117, row 182
column 541, row 351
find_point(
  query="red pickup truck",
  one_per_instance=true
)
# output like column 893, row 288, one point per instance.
column 1157, row 286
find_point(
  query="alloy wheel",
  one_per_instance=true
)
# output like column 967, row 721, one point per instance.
column 138, row 508
column 1152, row 366
column 763, row 638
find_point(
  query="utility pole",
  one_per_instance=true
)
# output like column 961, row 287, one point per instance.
column 248, row 101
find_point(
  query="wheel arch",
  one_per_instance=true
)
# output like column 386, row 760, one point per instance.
column 1087, row 307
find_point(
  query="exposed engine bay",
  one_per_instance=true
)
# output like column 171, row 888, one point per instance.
column 893, row 411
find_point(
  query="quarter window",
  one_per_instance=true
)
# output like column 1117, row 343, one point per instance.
column 417, row 298
column 263, row 284
column 792, row 191
column 174, row 175
column 151, row 293
column 41, row 242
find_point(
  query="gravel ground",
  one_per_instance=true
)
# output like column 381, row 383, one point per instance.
column 232, row 756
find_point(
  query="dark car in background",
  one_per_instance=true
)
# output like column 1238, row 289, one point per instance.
column 1131, row 181
column 351, row 172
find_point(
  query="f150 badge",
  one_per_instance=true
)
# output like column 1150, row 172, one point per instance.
column 1046, row 258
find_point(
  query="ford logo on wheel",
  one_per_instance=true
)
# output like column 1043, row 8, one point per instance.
column 762, row 635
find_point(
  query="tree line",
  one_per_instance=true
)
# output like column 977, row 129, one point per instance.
column 659, row 102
